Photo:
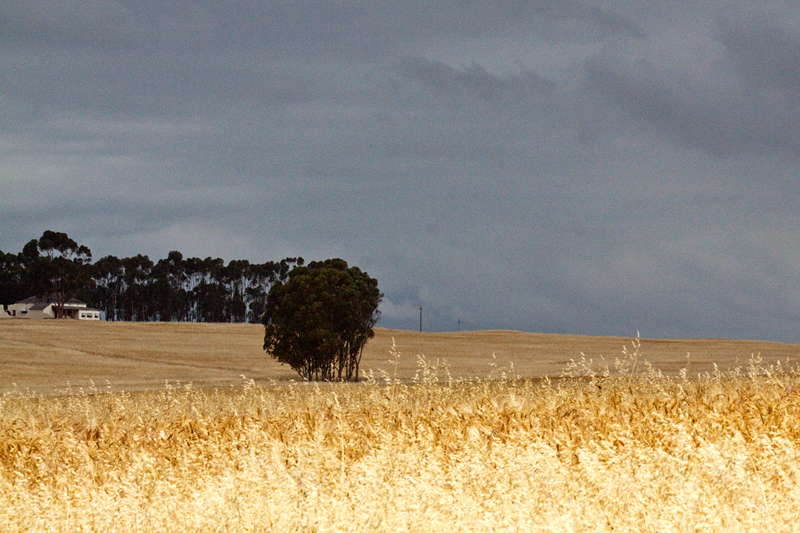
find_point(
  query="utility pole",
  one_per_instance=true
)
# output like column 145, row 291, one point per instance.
column 459, row 324
column 420, row 318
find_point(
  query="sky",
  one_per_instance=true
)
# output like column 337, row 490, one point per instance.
column 555, row 166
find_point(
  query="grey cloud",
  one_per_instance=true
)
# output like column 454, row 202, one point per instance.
column 353, row 27
column 766, row 55
column 158, row 85
column 611, row 21
column 474, row 81
column 746, row 104
column 386, row 27
column 71, row 23
column 712, row 122
column 606, row 20
column 598, row 19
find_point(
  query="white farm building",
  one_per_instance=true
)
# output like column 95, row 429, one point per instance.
column 47, row 307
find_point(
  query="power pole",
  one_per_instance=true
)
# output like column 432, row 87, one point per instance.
column 459, row 324
column 420, row 319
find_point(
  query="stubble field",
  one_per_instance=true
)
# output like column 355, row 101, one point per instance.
column 171, row 437
column 51, row 356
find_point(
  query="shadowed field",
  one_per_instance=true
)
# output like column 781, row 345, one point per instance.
column 49, row 356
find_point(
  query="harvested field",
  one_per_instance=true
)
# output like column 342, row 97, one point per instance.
column 47, row 356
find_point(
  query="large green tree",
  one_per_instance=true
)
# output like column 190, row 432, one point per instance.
column 319, row 320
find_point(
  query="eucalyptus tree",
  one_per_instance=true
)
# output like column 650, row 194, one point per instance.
column 168, row 288
column 12, row 286
column 56, row 265
column 320, row 318
column 108, row 286
column 210, row 294
column 138, row 298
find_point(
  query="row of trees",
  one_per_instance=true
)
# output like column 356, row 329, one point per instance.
column 139, row 289
column 185, row 290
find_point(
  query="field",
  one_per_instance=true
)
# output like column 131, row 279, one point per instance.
column 50, row 356
column 171, row 437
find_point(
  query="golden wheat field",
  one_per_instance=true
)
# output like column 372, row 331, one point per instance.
column 614, row 444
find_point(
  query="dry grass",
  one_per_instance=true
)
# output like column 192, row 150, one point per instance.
column 634, row 451
column 47, row 355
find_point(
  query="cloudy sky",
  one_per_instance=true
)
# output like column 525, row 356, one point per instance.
column 568, row 166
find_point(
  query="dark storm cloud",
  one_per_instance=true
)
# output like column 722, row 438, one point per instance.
column 747, row 124
column 758, row 113
column 766, row 56
column 540, row 165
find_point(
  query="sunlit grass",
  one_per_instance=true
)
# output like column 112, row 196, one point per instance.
column 608, row 447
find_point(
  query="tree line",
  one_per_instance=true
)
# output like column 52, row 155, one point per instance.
column 139, row 289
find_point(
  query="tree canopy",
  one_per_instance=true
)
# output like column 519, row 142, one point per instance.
column 56, row 265
column 319, row 320
column 186, row 289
